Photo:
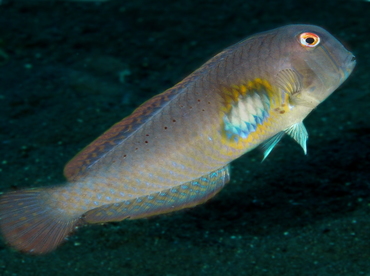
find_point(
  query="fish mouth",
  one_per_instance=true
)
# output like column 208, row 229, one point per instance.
column 349, row 64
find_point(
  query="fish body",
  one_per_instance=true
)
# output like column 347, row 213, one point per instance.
column 173, row 152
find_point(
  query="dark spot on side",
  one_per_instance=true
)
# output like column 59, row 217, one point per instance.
column 282, row 112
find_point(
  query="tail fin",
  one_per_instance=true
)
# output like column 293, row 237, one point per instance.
column 29, row 224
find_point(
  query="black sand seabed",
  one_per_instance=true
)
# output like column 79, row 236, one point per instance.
column 69, row 70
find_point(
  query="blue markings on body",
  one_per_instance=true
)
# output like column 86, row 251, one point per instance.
column 246, row 115
column 214, row 174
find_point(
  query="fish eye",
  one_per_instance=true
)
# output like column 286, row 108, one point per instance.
column 309, row 39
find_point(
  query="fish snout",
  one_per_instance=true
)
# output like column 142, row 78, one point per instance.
column 350, row 62
column 348, row 65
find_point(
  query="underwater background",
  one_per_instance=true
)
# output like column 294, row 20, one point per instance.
column 70, row 70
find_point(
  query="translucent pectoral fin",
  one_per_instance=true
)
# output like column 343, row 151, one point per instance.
column 299, row 133
column 290, row 81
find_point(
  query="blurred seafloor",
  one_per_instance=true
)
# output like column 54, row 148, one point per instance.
column 69, row 70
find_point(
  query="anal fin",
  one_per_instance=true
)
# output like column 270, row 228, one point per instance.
column 183, row 196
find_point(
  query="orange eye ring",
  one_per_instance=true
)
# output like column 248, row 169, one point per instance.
column 310, row 40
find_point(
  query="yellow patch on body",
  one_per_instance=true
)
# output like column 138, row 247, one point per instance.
column 250, row 111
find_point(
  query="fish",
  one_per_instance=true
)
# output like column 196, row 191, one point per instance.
column 174, row 151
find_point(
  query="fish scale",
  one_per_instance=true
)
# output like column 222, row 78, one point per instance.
column 173, row 152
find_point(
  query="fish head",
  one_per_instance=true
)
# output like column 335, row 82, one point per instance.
column 319, row 61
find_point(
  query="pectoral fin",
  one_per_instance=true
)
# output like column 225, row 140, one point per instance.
column 290, row 81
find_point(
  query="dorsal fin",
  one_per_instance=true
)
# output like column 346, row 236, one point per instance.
column 115, row 135
column 85, row 159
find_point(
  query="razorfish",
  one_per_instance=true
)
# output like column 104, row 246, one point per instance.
column 174, row 151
